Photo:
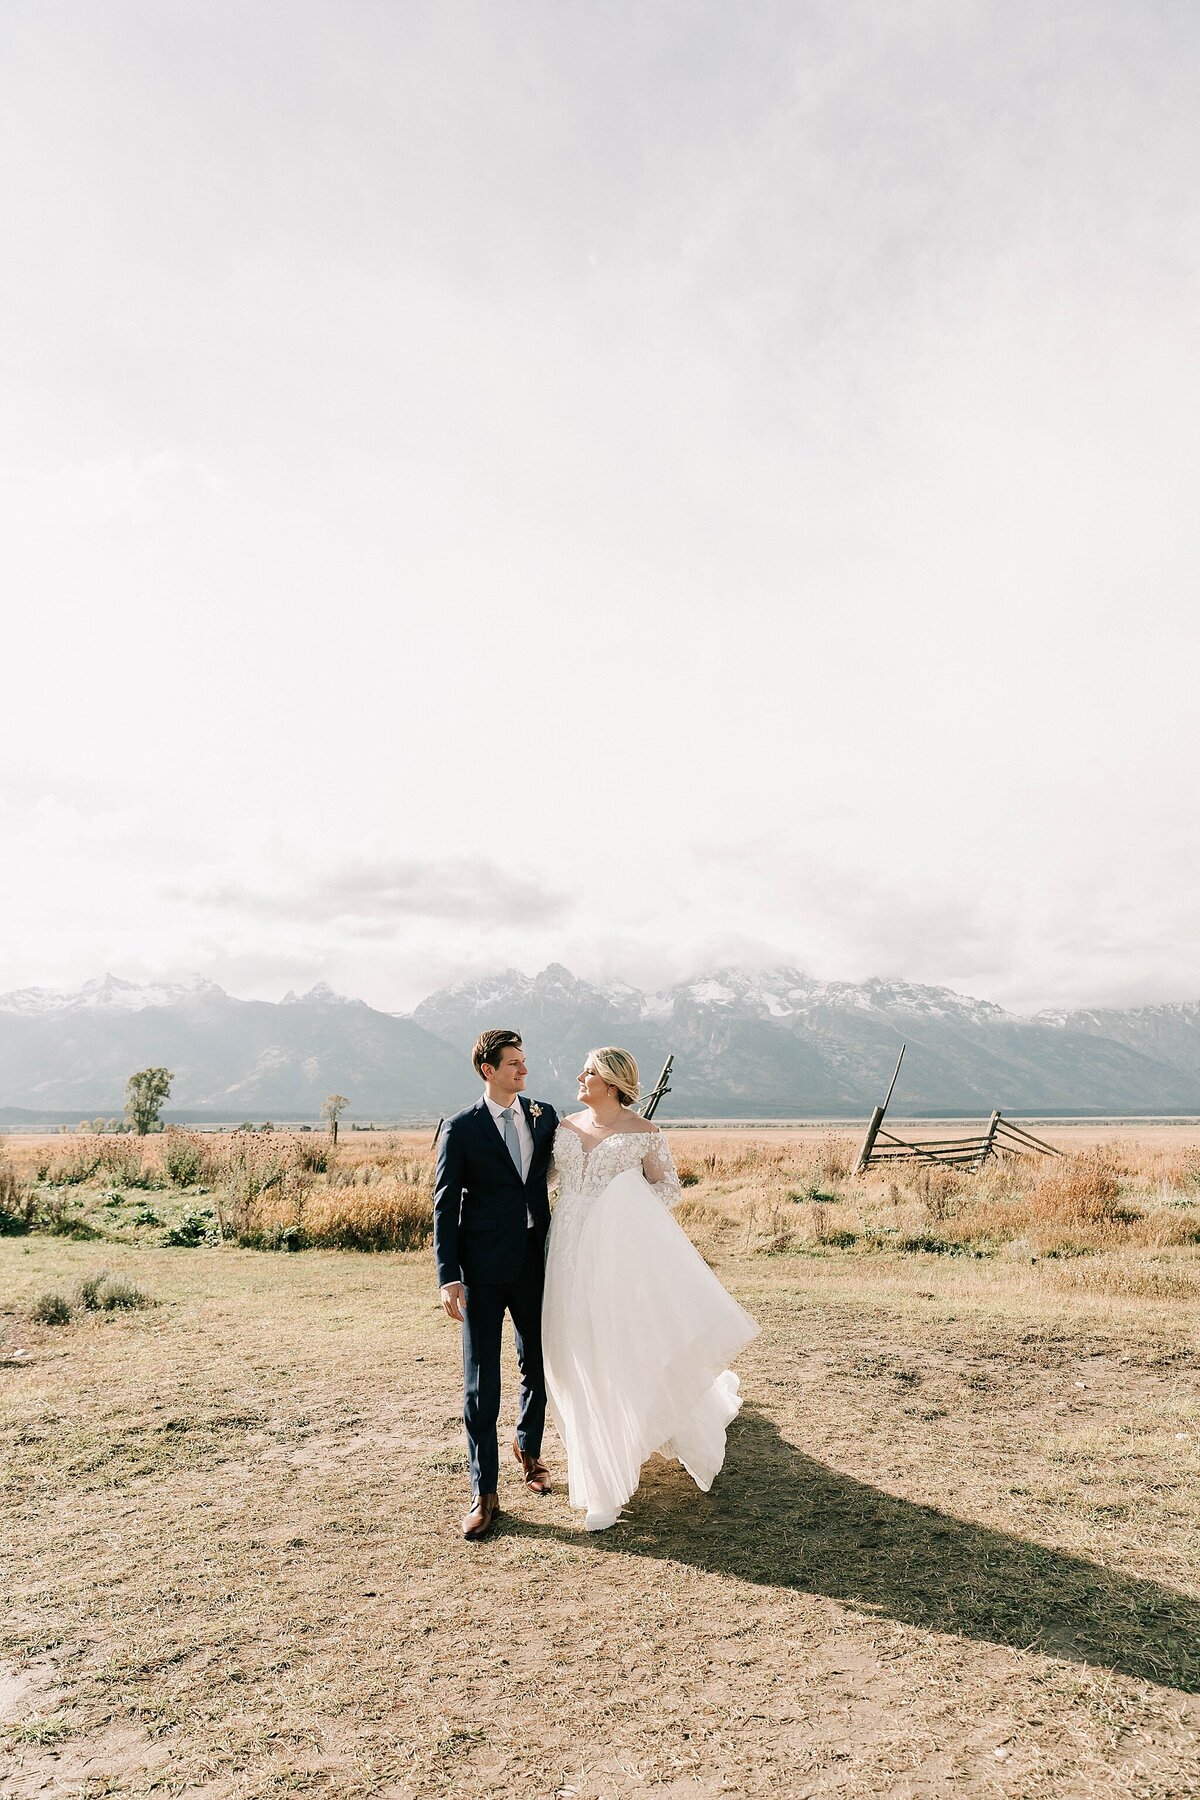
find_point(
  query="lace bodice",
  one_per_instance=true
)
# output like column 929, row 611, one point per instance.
column 586, row 1173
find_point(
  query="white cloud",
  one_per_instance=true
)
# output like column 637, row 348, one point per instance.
column 632, row 434
column 365, row 897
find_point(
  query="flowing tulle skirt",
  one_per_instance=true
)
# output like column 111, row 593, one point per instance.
column 637, row 1333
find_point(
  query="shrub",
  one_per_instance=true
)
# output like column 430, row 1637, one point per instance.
column 191, row 1229
column 251, row 1169
column 315, row 1156
column 58, row 1219
column 146, row 1177
column 18, row 1204
column 938, row 1188
column 188, row 1158
column 281, row 1237
column 103, row 1292
column 87, row 1292
column 832, row 1159
column 119, row 1295
column 72, row 1167
column 51, row 1309
column 121, row 1159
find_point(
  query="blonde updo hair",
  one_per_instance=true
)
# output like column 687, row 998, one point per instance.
column 619, row 1069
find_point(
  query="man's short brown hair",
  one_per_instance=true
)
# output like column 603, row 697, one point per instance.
column 490, row 1047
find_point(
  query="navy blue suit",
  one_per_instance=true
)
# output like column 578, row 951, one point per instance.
column 482, row 1237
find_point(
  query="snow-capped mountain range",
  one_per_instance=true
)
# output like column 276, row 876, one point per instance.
column 106, row 991
column 773, row 1043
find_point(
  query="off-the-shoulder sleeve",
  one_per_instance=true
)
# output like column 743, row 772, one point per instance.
column 659, row 1169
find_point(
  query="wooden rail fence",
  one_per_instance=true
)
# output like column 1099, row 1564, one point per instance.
column 1002, row 1137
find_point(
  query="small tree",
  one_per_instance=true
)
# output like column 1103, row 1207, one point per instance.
column 144, row 1095
column 332, row 1108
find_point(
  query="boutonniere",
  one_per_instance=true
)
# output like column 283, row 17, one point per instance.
column 535, row 1111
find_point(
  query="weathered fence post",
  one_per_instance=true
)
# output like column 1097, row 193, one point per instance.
column 988, row 1146
column 660, row 1088
column 864, row 1155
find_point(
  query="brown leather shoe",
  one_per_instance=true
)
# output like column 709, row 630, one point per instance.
column 485, row 1510
column 537, row 1475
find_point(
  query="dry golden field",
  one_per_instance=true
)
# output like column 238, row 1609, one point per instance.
column 954, row 1549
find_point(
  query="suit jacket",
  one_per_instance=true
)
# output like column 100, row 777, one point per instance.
column 479, row 1200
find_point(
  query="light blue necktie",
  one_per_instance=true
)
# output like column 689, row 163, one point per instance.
column 511, row 1138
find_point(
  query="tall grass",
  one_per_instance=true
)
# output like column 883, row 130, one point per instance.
column 70, row 1167
column 251, row 1167
column 188, row 1158
column 126, row 1161
column 18, row 1201
column 291, row 1191
column 773, row 1195
column 389, row 1214
column 797, row 1195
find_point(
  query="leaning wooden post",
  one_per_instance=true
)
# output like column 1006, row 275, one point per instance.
column 988, row 1147
column 660, row 1088
column 864, row 1155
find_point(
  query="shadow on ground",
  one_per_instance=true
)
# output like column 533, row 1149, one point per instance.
column 781, row 1519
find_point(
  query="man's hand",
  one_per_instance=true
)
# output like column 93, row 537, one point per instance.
column 453, row 1295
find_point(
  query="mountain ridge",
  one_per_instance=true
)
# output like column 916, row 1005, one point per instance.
column 767, row 1043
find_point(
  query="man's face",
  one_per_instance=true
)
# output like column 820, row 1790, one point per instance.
column 508, row 1075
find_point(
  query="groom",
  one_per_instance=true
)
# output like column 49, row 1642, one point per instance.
column 491, row 1214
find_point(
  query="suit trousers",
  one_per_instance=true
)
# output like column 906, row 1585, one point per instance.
column 485, row 1306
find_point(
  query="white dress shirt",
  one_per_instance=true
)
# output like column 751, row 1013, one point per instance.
column 524, row 1137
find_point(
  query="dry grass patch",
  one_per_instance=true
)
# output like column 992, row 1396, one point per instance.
column 960, row 1514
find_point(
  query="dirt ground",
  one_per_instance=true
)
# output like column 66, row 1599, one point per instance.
column 954, row 1548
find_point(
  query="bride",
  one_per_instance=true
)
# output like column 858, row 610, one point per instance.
column 636, row 1329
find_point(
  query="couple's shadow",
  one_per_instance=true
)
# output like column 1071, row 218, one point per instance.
column 778, row 1518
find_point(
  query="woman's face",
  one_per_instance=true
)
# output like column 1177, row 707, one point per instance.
column 593, row 1089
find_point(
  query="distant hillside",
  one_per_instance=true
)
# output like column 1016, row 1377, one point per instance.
column 1170, row 1034
column 231, row 1058
column 772, row 1044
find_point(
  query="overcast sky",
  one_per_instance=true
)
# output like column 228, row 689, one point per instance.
column 634, row 485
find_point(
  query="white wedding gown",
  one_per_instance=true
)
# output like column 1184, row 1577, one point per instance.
column 637, row 1331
